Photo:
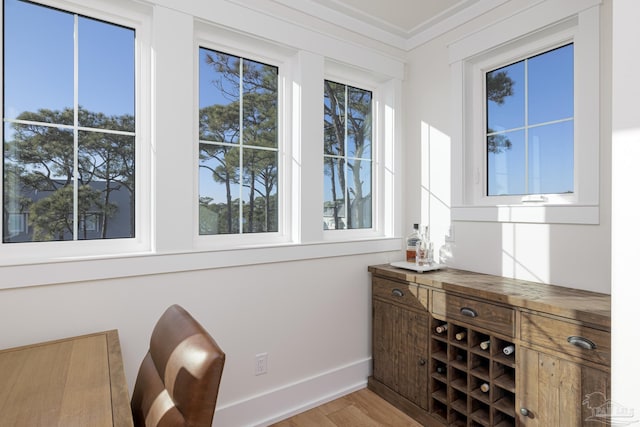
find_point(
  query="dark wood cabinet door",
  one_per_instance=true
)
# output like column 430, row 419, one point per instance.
column 400, row 342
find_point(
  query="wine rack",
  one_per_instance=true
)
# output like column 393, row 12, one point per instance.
column 472, row 381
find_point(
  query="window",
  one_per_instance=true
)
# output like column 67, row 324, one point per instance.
column 69, row 137
column 526, row 104
column 238, row 145
column 347, row 157
column 529, row 133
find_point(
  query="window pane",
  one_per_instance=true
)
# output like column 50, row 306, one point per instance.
column 229, row 86
column 347, row 125
column 38, row 179
column 334, row 118
column 106, row 195
column 260, row 191
column 219, row 97
column 334, row 183
column 51, row 214
column 38, row 182
column 219, row 189
column 260, row 104
column 106, row 64
column 359, row 191
column 505, row 164
column 359, row 123
column 38, row 60
column 538, row 160
column 551, row 158
column 551, row 85
column 505, row 98
column 41, row 183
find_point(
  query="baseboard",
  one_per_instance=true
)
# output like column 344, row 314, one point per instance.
column 276, row 405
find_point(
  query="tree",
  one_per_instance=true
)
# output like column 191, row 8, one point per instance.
column 251, row 113
column 347, row 123
column 110, row 159
column 359, row 127
column 334, row 138
column 41, row 160
column 499, row 86
column 221, row 123
column 50, row 216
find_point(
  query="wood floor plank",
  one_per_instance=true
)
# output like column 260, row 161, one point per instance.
column 379, row 410
column 353, row 417
column 310, row 418
column 362, row 408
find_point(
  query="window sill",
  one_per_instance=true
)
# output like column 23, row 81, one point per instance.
column 80, row 269
column 542, row 214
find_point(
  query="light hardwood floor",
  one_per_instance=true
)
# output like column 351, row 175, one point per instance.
column 362, row 408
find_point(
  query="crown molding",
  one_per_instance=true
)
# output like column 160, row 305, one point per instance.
column 381, row 31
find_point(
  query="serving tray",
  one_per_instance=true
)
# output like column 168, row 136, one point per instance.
column 415, row 267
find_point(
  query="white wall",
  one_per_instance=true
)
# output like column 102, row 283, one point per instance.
column 311, row 317
column 569, row 255
column 626, row 207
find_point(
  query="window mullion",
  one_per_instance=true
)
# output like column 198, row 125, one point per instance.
column 75, row 127
column 526, row 126
column 240, row 142
column 345, row 190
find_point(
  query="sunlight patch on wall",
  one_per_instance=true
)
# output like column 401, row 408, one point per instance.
column 435, row 183
column 526, row 252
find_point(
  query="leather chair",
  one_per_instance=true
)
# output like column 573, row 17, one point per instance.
column 179, row 378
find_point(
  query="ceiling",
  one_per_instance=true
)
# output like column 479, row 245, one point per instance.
column 400, row 17
column 404, row 24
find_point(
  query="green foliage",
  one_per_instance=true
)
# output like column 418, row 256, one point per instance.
column 499, row 86
column 51, row 217
column 40, row 159
column 253, row 164
column 498, row 143
column 347, row 120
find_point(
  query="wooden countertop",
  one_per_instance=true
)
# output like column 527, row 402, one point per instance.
column 589, row 307
column 77, row 381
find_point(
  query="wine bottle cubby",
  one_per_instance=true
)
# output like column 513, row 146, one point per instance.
column 472, row 379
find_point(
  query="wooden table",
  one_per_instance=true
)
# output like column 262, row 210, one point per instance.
column 77, row 381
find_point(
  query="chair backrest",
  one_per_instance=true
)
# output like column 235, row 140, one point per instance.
column 179, row 378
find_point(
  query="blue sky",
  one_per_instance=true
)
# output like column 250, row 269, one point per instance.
column 546, row 95
column 39, row 62
column 208, row 94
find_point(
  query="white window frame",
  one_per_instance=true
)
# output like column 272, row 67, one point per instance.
column 219, row 39
column 138, row 17
column 523, row 35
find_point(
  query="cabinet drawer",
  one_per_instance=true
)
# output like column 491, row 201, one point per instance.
column 569, row 338
column 406, row 294
column 482, row 314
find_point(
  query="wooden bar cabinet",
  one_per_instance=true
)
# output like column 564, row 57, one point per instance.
column 457, row 348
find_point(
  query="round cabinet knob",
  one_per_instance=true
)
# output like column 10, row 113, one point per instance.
column 422, row 362
column 524, row 411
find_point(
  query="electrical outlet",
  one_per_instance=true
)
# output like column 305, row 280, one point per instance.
column 261, row 364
